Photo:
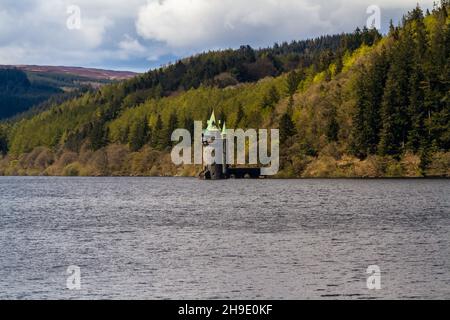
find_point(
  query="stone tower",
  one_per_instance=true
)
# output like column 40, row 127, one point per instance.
column 214, row 136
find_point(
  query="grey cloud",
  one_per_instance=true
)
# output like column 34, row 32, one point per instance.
column 140, row 31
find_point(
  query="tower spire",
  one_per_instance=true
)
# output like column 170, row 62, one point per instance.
column 224, row 129
column 212, row 123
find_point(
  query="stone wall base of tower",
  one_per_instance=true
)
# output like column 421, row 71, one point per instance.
column 217, row 172
column 213, row 172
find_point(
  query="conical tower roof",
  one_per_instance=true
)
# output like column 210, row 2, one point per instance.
column 212, row 123
column 224, row 128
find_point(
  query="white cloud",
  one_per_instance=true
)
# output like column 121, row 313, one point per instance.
column 36, row 32
column 139, row 31
column 130, row 47
column 196, row 24
column 11, row 54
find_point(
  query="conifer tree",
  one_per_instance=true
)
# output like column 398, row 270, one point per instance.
column 3, row 141
column 394, row 111
column 287, row 128
column 189, row 125
column 171, row 127
column 392, row 120
column 369, row 95
column 138, row 135
column 332, row 126
column 98, row 134
column 271, row 98
column 222, row 116
column 239, row 116
column 437, row 74
column 292, row 82
column 158, row 137
column 417, row 135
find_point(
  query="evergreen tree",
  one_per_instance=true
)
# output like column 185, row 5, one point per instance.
column 376, row 90
column 3, row 141
column 171, row 127
column 287, row 128
column 290, row 107
column 395, row 105
column 417, row 133
column 425, row 158
column 292, row 82
column 189, row 125
column 222, row 116
column 138, row 135
column 274, row 96
column 240, row 115
column 437, row 73
column 332, row 130
column 392, row 120
column 358, row 144
column 393, row 31
column 417, row 136
column 159, row 138
column 369, row 95
column 98, row 134
column 339, row 62
column 271, row 98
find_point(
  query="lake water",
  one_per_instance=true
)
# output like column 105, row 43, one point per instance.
column 175, row 238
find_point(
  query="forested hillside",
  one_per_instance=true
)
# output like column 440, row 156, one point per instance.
column 36, row 87
column 18, row 94
column 350, row 105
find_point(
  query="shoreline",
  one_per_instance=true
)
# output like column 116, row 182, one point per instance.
column 260, row 179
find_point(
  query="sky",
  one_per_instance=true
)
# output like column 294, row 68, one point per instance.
column 139, row 35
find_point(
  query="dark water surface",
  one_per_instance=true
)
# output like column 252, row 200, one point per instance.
column 175, row 238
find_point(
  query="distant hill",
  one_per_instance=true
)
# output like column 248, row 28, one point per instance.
column 18, row 93
column 23, row 87
column 90, row 73
column 347, row 105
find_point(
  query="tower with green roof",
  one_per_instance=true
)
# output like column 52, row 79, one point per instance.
column 215, row 135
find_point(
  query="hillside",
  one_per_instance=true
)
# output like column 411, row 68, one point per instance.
column 18, row 94
column 350, row 105
column 25, row 87
column 86, row 73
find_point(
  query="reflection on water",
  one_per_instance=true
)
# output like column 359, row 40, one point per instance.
column 151, row 238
